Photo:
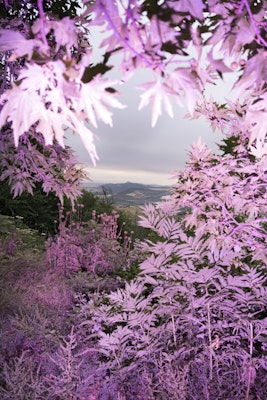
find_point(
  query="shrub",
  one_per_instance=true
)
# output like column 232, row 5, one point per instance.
column 22, row 379
column 197, row 309
column 96, row 246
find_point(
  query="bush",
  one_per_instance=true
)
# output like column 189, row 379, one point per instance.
column 197, row 309
column 96, row 246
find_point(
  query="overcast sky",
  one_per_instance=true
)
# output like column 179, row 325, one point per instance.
column 134, row 151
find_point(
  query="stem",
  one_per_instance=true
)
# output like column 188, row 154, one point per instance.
column 116, row 358
column 130, row 14
column 6, row 72
column 42, row 20
column 241, row 6
column 173, row 331
column 210, row 344
column 250, row 361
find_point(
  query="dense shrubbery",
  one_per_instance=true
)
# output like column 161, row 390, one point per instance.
column 97, row 246
column 39, row 211
column 180, row 314
column 194, row 319
column 88, row 202
column 83, row 259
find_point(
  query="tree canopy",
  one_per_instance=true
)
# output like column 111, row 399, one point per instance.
column 49, row 82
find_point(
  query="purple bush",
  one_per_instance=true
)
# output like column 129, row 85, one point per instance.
column 95, row 246
column 198, row 306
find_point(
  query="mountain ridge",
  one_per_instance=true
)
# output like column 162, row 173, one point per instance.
column 132, row 193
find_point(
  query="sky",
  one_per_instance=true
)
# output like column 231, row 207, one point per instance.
column 134, row 151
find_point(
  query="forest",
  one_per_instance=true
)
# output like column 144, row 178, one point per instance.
column 169, row 301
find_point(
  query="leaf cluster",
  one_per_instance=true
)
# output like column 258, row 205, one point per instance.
column 199, row 299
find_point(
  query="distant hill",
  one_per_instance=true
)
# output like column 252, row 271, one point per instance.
column 123, row 187
column 132, row 194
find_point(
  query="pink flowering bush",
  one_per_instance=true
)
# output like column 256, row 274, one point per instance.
column 97, row 246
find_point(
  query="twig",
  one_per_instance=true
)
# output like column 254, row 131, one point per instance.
column 42, row 20
column 251, row 338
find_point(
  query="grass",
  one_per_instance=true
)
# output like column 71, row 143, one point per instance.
column 30, row 295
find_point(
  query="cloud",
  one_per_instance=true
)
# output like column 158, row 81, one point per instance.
column 102, row 176
column 133, row 150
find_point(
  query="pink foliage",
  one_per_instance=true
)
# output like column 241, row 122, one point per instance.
column 31, row 162
column 94, row 246
column 199, row 300
column 196, row 312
